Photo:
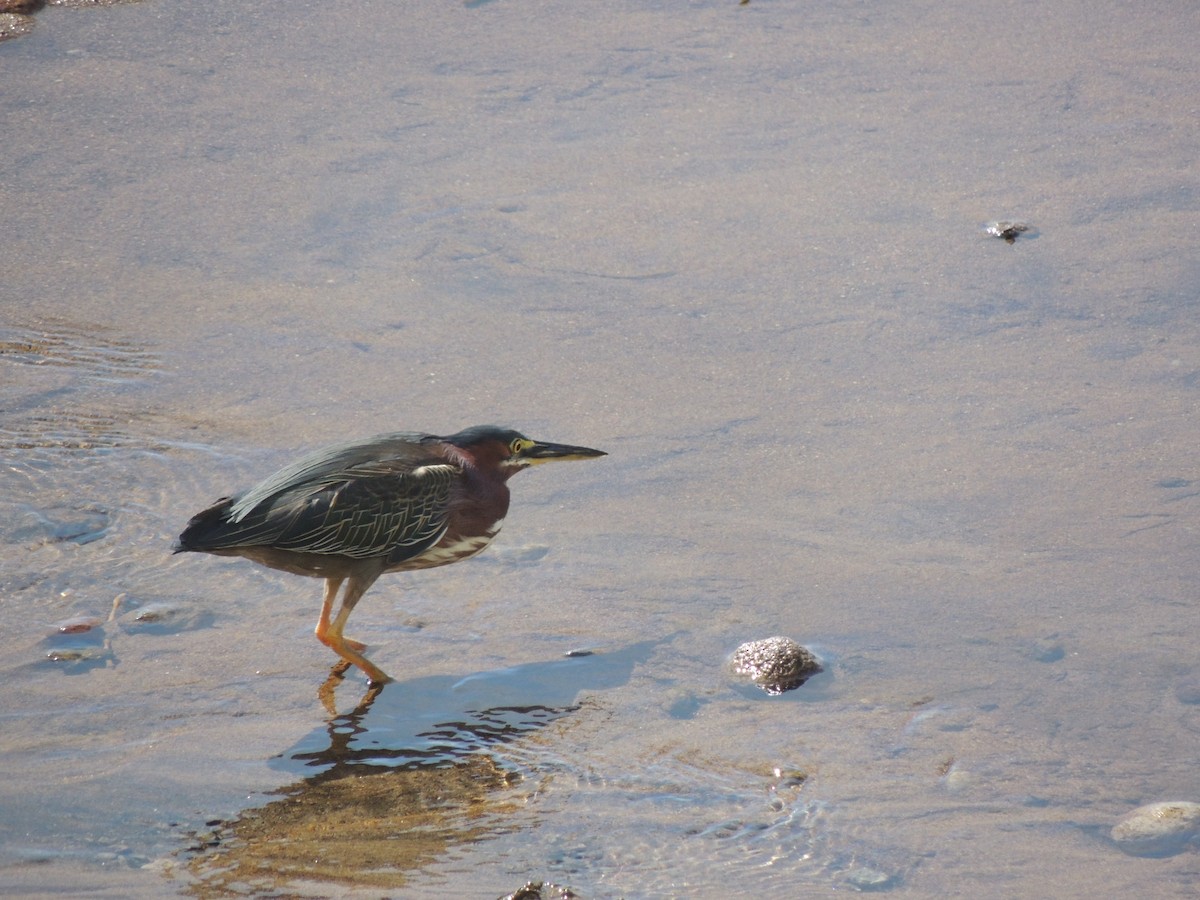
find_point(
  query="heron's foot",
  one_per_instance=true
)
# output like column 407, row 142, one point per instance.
column 351, row 655
column 350, row 650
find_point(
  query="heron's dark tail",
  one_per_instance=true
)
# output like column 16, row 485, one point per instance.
column 206, row 529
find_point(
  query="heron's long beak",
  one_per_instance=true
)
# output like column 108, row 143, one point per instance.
column 542, row 452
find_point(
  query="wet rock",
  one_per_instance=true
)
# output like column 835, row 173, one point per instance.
column 541, row 890
column 1159, row 829
column 78, row 624
column 783, row 791
column 156, row 612
column 775, row 664
column 165, row 618
column 957, row 779
column 14, row 25
column 83, row 639
column 76, row 654
column 1006, row 230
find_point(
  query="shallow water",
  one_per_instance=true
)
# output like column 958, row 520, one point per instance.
column 742, row 249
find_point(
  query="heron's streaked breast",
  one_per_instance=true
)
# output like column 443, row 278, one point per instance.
column 453, row 548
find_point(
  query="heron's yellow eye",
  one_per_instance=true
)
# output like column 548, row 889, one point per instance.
column 519, row 444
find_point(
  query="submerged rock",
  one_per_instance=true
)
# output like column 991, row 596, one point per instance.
column 775, row 664
column 78, row 624
column 76, row 654
column 1158, row 829
column 1006, row 230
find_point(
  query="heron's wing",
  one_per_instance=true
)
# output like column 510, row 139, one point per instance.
column 397, row 453
column 379, row 508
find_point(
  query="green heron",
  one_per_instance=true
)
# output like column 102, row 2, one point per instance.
column 390, row 503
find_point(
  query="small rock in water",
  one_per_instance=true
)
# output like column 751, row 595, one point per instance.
column 1005, row 230
column 541, row 890
column 75, row 654
column 1158, row 829
column 775, row 664
column 78, row 624
column 154, row 612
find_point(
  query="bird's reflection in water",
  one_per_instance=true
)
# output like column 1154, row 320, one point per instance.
column 411, row 772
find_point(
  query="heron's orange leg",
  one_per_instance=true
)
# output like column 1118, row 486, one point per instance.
column 331, row 589
column 330, row 633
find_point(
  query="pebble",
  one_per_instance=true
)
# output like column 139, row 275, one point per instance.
column 155, row 612
column 1005, row 230
column 1158, row 829
column 75, row 654
column 78, row 624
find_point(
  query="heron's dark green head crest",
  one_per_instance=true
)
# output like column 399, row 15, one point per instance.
column 513, row 448
column 482, row 434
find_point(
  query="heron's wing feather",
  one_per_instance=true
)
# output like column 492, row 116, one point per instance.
column 375, row 509
column 398, row 453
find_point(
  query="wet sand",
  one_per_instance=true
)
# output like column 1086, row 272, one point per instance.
column 742, row 249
